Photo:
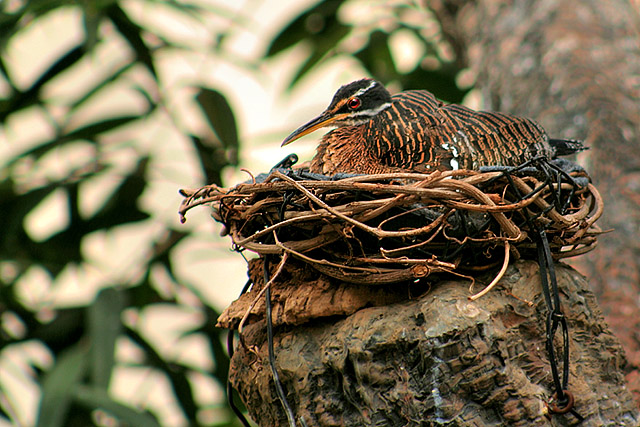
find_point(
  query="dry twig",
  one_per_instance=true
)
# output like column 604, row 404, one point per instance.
column 387, row 228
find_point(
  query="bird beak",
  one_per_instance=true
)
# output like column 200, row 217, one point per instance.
column 323, row 120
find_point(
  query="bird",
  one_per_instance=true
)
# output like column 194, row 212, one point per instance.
column 376, row 132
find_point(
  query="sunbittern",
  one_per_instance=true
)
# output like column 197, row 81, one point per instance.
column 413, row 131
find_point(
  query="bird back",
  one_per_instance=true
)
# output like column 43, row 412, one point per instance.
column 420, row 133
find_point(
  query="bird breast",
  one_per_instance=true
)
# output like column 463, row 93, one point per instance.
column 346, row 150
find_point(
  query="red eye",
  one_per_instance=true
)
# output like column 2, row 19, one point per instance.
column 354, row 103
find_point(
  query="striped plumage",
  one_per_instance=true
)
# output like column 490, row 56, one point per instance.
column 412, row 130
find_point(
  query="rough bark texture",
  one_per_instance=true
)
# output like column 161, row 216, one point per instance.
column 436, row 359
column 574, row 66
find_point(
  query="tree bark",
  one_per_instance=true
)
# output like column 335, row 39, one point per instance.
column 575, row 68
column 434, row 359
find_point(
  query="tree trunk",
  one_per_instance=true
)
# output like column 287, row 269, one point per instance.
column 574, row 67
column 437, row 358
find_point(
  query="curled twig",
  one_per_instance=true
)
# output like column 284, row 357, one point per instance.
column 386, row 228
column 496, row 279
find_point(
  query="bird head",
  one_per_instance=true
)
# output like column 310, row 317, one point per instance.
column 353, row 104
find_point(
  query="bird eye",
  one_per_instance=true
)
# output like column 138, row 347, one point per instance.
column 354, row 103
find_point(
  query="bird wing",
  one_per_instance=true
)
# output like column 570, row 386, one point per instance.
column 403, row 134
column 492, row 138
column 418, row 132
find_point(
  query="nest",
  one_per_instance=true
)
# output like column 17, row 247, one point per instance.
column 390, row 228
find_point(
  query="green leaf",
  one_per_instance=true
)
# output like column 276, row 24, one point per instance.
column 4, row 416
column 198, row 11
column 8, row 26
column 58, row 387
column 63, row 332
column 104, row 329
column 101, row 85
column 62, row 64
column 91, row 19
column 15, row 206
column 440, row 82
column 88, row 132
column 163, row 247
column 15, row 243
column 97, row 398
column 41, row 7
column 319, row 27
column 31, row 96
column 27, row 12
column 214, row 337
column 220, row 116
column 5, row 74
column 162, row 255
column 311, row 23
column 322, row 47
column 376, row 57
column 122, row 206
column 132, row 32
column 212, row 159
column 176, row 374
column 144, row 292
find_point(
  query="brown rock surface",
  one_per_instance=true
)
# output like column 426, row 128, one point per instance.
column 573, row 67
column 436, row 359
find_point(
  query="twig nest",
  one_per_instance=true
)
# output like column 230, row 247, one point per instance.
column 389, row 228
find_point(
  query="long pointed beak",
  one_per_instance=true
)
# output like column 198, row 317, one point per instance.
column 321, row 121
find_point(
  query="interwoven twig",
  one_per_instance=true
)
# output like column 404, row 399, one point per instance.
column 389, row 228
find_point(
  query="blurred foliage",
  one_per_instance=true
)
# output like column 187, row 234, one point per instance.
column 326, row 36
column 82, row 340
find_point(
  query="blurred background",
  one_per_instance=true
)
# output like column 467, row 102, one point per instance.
column 108, row 303
column 107, row 109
